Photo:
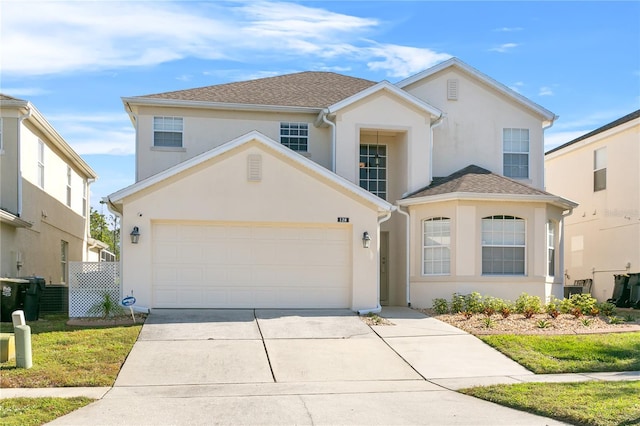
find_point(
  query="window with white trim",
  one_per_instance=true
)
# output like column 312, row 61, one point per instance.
column 68, row 186
column 515, row 157
column 64, row 256
column 295, row 136
column 167, row 132
column 40, row 164
column 373, row 169
column 436, row 241
column 551, row 249
column 599, row 169
column 85, row 189
column 503, row 245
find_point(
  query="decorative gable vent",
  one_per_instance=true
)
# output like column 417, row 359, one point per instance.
column 452, row 89
column 254, row 167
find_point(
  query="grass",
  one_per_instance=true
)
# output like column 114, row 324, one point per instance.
column 586, row 403
column 37, row 411
column 65, row 356
column 571, row 353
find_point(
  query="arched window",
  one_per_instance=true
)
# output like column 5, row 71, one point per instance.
column 436, row 257
column 503, row 245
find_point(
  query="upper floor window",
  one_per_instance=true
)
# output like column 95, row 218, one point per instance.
column 40, row 164
column 167, row 131
column 503, row 245
column 295, row 136
column 436, row 257
column 599, row 169
column 373, row 169
column 515, row 148
column 68, row 186
column 551, row 249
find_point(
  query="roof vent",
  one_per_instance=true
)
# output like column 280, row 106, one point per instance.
column 254, row 168
column 452, row 89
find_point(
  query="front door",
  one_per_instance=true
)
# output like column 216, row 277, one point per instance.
column 384, row 268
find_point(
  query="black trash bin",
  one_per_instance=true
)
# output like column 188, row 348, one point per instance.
column 32, row 297
column 13, row 291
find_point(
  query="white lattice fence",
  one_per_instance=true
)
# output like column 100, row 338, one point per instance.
column 88, row 281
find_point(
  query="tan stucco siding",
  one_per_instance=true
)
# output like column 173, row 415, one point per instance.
column 471, row 133
column 466, row 251
column 207, row 129
column 218, row 191
column 602, row 234
column 385, row 112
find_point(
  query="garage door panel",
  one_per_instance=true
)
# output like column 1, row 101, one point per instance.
column 213, row 265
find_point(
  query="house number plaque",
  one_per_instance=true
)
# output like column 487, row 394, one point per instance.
column 343, row 220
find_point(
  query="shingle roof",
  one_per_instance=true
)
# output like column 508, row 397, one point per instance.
column 475, row 179
column 4, row 97
column 604, row 128
column 306, row 89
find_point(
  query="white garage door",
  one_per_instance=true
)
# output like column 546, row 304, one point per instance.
column 239, row 265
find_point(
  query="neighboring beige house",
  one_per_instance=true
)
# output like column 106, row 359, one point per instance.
column 44, row 221
column 601, row 171
column 265, row 193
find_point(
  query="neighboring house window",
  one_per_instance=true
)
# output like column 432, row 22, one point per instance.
column 515, row 145
column 107, row 256
column 167, row 132
column 85, row 188
column 551, row 249
column 68, row 186
column 373, row 169
column 40, row 164
column 599, row 169
column 436, row 258
column 64, row 255
column 503, row 245
column 295, row 136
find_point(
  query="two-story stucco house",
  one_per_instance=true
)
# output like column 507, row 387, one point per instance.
column 319, row 190
column 44, row 220
column 601, row 171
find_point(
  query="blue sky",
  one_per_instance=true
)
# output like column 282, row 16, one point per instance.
column 75, row 60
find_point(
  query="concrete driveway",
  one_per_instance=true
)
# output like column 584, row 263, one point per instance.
column 303, row 367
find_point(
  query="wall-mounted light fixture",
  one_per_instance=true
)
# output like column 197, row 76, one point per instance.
column 366, row 240
column 135, row 235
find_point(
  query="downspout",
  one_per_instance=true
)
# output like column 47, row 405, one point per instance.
column 435, row 124
column 18, row 153
column 407, row 255
column 325, row 112
column 87, row 219
column 378, row 308
column 565, row 214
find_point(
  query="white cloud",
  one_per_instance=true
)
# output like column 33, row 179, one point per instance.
column 402, row 61
column 503, row 48
column 17, row 92
column 555, row 139
column 545, row 91
column 97, row 133
column 508, row 29
column 66, row 37
column 517, row 86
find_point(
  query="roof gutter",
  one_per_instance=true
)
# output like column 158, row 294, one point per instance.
column 135, row 101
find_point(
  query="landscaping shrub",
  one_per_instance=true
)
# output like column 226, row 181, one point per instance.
column 457, row 303
column 473, row 303
column 528, row 305
column 440, row 306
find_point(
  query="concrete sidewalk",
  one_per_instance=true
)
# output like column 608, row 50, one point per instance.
column 304, row 367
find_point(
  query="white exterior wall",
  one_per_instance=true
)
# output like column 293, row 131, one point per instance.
column 603, row 233
column 207, row 129
column 218, row 191
column 471, row 133
column 466, row 252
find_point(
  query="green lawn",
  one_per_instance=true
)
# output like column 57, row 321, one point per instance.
column 571, row 353
column 66, row 356
column 37, row 411
column 585, row 403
